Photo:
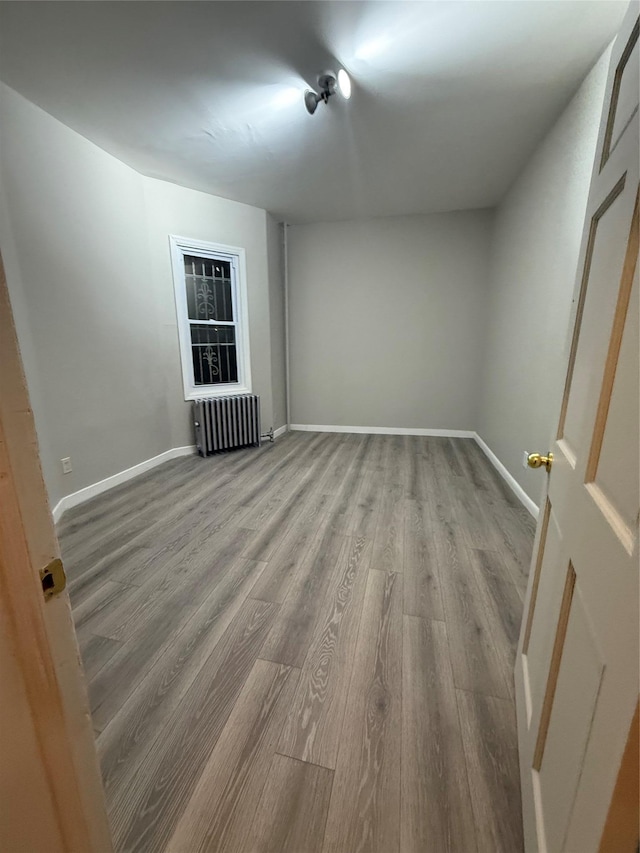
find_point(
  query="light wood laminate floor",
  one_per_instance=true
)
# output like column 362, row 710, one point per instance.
column 306, row 648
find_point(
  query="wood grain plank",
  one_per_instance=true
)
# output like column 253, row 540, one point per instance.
column 289, row 639
column 303, row 508
column 501, row 601
column 148, row 804
column 233, row 779
column 397, row 462
column 297, row 460
column 417, row 467
column 495, row 484
column 388, row 542
column 364, row 812
column 95, row 652
column 475, row 661
column 514, row 538
column 277, row 577
column 449, row 455
column 474, row 521
column 196, row 568
column 422, row 594
column 292, row 811
column 436, row 811
column 313, row 725
column 331, row 480
column 105, row 598
column 341, row 510
column 364, row 516
column 491, row 748
column 369, row 496
column 116, row 681
column 471, row 467
column 164, row 511
column 134, row 559
column 206, row 639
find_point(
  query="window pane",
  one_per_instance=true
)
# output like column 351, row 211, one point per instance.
column 213, row 349
column 208, row 284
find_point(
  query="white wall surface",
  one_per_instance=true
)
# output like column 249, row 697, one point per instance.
column 85, row 243
column 387, row 320
column 534, row 258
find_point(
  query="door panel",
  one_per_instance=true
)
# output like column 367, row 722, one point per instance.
column 623, row 95
column 579, row 675
column 549, row 601
column 615, row 476
column 607, row 245
column 577, row 667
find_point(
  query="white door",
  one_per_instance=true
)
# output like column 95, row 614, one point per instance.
column 51, row 798
column 577, row 663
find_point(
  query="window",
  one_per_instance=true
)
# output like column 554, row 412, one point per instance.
column 211, row 304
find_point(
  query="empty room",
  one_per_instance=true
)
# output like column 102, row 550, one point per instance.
column 319, row 426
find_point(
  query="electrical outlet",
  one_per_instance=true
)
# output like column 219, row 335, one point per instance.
column 66, row 465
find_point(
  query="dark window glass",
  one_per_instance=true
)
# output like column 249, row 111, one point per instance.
column 213, row 349
column 208, row 283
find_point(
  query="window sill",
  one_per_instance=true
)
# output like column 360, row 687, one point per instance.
column 208, row 393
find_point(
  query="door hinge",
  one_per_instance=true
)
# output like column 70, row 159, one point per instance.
column 53, row 578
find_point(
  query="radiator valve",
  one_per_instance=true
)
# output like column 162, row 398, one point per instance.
column 268, row 435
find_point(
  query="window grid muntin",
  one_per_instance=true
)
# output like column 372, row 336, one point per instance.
column 212, row 353
column 198, row 286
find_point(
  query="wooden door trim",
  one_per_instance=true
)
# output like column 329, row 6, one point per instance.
column 615, row 342
column 25, row 622
column 554, row 668
column 615, row 93
column 621, row 832
column 536, row 575
column 582, row 297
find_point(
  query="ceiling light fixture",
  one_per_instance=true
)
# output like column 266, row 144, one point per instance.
column 329, row 84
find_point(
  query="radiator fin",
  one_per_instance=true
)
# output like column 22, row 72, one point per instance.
column 222, row 423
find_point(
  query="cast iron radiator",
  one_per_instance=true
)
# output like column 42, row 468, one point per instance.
column 222, row 423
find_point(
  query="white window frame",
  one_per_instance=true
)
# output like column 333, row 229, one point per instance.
column 181, row 246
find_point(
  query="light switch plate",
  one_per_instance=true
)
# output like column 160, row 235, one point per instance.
column 66, row 465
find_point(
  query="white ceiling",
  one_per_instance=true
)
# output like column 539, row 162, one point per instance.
column 449, row 98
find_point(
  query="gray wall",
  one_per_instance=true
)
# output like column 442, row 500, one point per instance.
column 85, row 244
column 276, row 312
column 73, row 239
column 387, row 320
column 534, row 257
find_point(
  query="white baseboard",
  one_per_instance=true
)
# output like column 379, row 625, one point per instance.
column 280, row 431
column 513, row 484
column 82, row 495
column 452, row 433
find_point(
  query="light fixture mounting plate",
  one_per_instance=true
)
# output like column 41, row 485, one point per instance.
column 328, row 82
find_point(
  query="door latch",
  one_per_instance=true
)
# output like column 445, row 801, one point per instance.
column 53, row 578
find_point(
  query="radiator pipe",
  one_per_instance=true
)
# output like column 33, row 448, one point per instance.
column 287, row 380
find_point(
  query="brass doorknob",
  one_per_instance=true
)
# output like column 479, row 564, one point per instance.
column 535, row 460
